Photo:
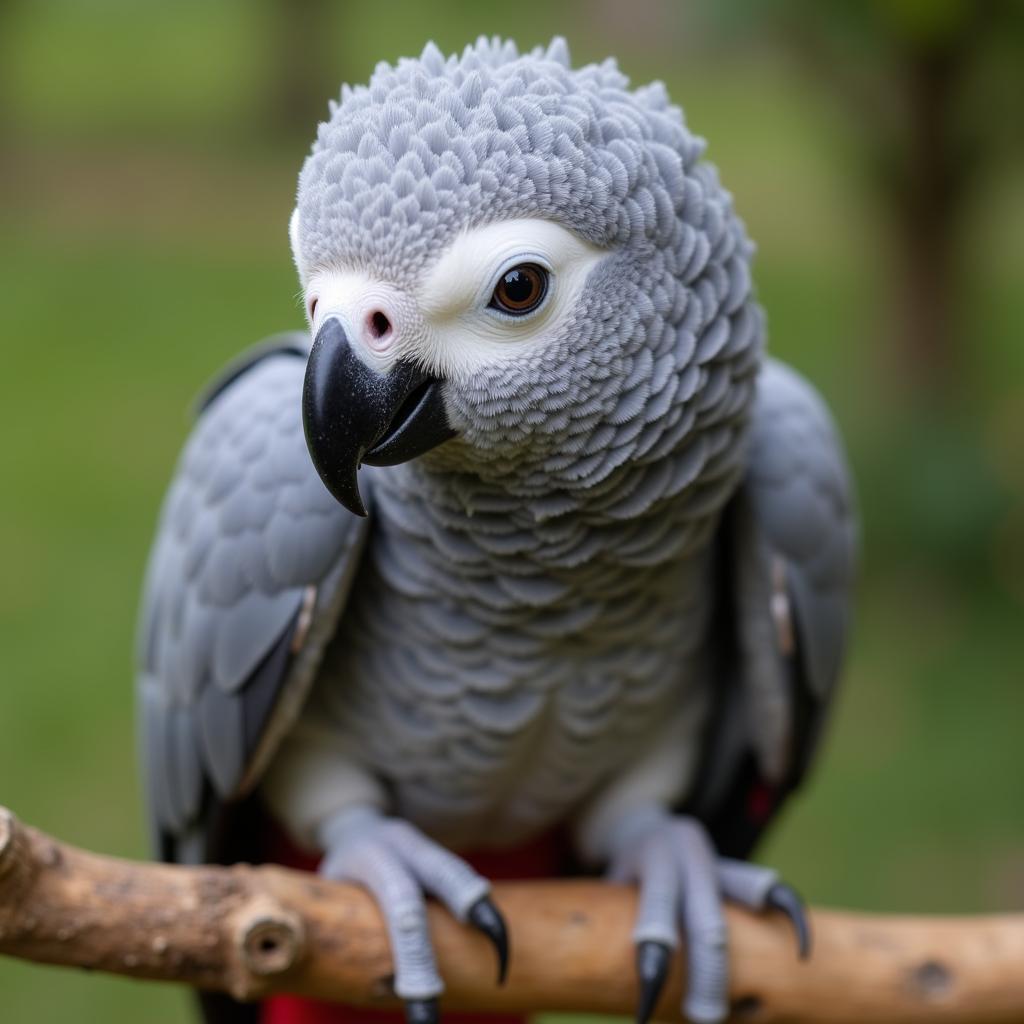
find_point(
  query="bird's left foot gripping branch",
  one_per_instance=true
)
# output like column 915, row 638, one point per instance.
column 524, row 558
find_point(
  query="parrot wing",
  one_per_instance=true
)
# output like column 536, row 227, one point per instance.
column 249, row 573
column 788, row 547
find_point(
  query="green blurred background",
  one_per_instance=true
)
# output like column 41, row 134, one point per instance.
column 148, row 156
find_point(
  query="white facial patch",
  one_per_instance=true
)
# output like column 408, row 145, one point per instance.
column 293, row 237
column 463, row 334
column 382, row 322
column 443, row 320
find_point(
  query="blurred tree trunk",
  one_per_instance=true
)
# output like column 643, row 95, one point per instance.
column 924, row 195
column 904, row 73
column 7, row 15
column 306, row 71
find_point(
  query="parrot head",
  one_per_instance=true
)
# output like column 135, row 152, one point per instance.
column 519, row 268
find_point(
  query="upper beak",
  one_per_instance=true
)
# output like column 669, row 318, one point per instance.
column 351, row 414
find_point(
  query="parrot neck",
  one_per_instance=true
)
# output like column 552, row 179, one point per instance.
column 647, row 515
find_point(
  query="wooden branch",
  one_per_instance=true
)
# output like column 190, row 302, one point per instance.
column 255, row 931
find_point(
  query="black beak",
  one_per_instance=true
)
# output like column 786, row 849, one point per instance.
column 352, row 415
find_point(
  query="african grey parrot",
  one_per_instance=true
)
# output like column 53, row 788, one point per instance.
column 524, row 533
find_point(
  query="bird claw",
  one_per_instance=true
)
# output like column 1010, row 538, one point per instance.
column 683, row 884
column 652, row 963
column 785, row 898
column 422, row 1011
column 399, row 866
column 486, row 918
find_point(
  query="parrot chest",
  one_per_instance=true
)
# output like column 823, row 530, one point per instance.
column 493, row 717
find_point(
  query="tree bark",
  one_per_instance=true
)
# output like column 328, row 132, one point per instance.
column 253, row 931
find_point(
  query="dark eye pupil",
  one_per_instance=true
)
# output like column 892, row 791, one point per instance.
column 520, row 289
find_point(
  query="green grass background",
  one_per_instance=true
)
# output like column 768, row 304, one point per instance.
column 143, row 213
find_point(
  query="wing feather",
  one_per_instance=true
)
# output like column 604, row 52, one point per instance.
column 804, row 515
column 788, row 547
column 249, row 543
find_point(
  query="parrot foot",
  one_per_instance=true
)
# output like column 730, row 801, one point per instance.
column 398, row 865
column 683, row 883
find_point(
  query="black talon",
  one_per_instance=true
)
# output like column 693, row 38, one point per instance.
column 486, row 917
column 785, row 898
column 422, row 1011
column 652, row 960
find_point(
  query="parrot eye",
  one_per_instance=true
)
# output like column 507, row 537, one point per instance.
column 521, row 289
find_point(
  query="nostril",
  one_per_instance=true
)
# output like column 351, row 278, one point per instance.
column 379, row 324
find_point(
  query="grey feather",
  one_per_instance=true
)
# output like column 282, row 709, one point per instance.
column 154, row 749
column 253, row 614
column 222, row 738
column 795, row 508
column 186, row 764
